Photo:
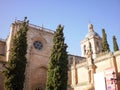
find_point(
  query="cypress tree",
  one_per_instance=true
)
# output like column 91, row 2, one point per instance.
column 57, row 69
column 15, row 68
column 115, row 45
column 105, row 45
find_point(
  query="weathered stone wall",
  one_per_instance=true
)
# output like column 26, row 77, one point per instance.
column 82, row 71
column 102, row 62
column 2, row 48
column 38, row 59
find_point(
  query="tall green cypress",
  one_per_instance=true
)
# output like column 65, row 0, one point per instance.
column 15, row 68
column 115, row 45
column 105, row 45
column 57, row 69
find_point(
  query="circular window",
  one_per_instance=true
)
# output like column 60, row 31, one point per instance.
column 38, row 45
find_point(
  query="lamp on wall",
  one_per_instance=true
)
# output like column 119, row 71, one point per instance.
column 114, row 79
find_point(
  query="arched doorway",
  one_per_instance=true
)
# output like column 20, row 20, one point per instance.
column 41, row 74
column 40, row 88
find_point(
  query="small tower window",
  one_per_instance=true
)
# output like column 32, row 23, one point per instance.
column 98, row 50
column 84, row 49
column 90, row 47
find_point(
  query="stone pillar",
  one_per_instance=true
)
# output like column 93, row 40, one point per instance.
column 91, row 71
column 74, row 73
column 91, row 67
column 28, row 66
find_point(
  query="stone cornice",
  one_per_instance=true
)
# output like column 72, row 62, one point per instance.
column 84, row 64
column 103, row 56
column 36, row 27
column 116, row 53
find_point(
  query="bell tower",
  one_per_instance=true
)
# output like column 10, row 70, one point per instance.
column 92, row 38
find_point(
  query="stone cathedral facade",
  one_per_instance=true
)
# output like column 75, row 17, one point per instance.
column 90, row 71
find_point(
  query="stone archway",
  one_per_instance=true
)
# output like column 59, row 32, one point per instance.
column 40, row 87
column 41, row 73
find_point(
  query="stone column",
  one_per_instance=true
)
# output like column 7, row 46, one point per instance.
column 91, row 67
column 91, row 73
column 74, row 73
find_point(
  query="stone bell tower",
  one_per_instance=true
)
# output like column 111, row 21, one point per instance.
column 94, row 40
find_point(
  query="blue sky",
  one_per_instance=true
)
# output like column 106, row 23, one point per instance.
column 73, row 14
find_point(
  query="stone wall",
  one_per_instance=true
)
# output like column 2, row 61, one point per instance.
column 38, row 59
column 101, row 63
column 2, row 47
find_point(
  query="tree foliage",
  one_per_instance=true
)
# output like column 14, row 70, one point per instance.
column 57, row 68
column 15, row 68
column 105, row 45
column 115, row 45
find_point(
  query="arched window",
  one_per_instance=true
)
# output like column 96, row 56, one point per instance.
column 90, row 46
column 84, row 49
column 97, row 47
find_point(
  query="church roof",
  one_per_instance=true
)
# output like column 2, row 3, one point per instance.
column 37, row 27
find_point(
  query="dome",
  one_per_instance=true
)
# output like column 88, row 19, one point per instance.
column 91, row 32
